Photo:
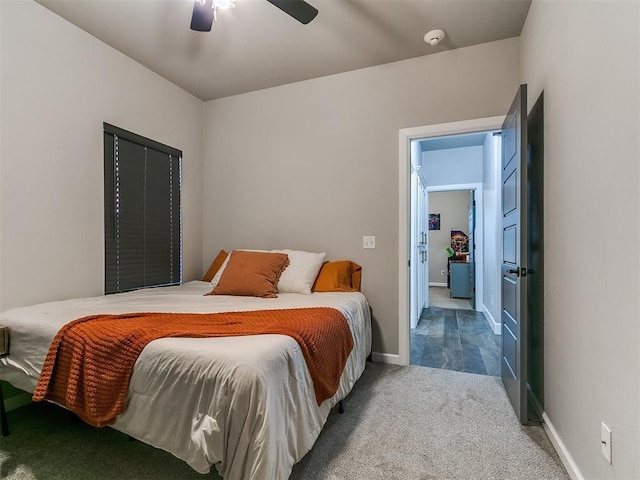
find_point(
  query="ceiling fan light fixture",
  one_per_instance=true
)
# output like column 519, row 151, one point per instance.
column 205, row 11
column 219, row 4
column 223, row 4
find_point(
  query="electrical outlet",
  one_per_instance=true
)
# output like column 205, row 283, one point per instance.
column 369, row 241
column 605, row 439
column 491, row 300
column 443, row 272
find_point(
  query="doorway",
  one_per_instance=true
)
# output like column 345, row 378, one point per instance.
column 512, row 192
column 406, row 147
column 451, row 246
column 451, row 285
column 451, row 330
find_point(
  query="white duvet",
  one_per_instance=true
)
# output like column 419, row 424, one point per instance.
column 243, row 404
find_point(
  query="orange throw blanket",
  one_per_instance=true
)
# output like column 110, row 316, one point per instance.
column 91, row 359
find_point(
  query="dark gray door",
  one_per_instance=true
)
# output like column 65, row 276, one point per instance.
column 514, row 254
column 535, row 260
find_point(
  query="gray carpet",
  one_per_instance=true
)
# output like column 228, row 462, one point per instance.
column 422, row 423
column 400, row 423
column 49, row 443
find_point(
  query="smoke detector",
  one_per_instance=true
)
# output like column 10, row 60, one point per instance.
column 434, row 37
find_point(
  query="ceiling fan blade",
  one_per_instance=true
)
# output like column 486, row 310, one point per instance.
column 298, row 9
column 202, row 17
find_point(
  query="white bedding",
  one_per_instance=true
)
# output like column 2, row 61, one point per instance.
column 243, row 404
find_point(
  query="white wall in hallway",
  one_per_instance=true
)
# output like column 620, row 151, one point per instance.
column 453, row 166
column 491, row 192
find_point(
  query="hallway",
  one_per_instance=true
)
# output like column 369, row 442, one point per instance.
column 458, row 340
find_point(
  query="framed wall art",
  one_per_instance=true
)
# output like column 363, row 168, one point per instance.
column 434, row 221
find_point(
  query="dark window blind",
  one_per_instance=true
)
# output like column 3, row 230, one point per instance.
column 142, row 216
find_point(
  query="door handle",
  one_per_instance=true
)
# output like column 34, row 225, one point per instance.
column 521, row 271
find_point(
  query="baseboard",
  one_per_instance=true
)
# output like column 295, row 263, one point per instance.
column 386, row 358
column 563, row 453
column 495, row 326
column 17, row 401
column 437, row 284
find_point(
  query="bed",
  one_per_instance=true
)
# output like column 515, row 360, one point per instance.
column 244, row 405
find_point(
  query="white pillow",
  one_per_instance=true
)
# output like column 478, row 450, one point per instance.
column 302, row 271
column 216, row 277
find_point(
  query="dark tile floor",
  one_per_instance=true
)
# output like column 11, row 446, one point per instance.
column 456, row 340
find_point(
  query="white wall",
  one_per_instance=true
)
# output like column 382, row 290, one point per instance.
column 453, row 166
column 453, row 208
column 592, row 224
column 59, row 85
column 492, row 191
column 313, row 165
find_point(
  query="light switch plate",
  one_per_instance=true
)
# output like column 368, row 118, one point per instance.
column 369, row 241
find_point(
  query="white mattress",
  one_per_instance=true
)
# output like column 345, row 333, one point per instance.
column 243, row 404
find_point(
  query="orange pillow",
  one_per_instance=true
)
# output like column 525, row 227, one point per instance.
column 341, row 276
column 215, row 266
column 252, row 274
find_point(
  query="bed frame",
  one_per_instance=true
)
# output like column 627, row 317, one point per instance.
column 3, row 415
column 4, row 424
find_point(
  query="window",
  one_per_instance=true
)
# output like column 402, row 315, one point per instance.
column 142, row 217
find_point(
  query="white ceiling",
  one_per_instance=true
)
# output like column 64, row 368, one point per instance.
column 256, row 46
column 452, row 141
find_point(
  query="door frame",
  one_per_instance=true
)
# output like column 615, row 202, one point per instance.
column 478, row 239
column 405, row 136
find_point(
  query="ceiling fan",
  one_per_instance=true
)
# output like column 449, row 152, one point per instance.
column 204, row 11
